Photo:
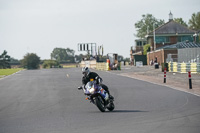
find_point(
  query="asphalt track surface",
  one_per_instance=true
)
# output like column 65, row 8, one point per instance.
column 48, row 101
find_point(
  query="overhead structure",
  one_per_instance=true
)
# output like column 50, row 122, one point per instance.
column 90, row 47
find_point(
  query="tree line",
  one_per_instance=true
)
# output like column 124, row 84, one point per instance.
column 32, row 60
column 58, row 56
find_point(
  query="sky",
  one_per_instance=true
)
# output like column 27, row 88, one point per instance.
column 39, row 26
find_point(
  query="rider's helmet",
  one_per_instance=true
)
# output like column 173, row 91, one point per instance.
column 85, row 71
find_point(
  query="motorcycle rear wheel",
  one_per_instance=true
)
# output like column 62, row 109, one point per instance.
column 111, row 106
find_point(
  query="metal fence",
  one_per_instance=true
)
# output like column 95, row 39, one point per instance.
column 185, row 55
column 189, row 55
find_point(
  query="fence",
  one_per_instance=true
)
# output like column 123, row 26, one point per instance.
column 185, row 55
column 190, row 55
column 184, row 67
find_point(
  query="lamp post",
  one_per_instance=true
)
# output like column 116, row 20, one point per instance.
column 154, row 37
column 195, row 35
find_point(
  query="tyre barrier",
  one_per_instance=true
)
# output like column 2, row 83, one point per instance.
column 184, row 67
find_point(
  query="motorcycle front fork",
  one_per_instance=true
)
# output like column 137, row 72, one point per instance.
column 91, row 99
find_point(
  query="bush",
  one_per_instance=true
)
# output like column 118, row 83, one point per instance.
column 164, row 65
column 30, row 61
column 50, row 64
column 146, row 48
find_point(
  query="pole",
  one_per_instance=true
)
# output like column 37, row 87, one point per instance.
column 154, row 37
column 165, row 74
column 190, row 80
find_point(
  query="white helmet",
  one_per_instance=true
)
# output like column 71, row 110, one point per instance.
column 85, row 71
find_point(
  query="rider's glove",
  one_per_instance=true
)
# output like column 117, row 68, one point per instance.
column 98, row 80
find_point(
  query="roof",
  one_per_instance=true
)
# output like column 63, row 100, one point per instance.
column 172, row 27
column 181, row 45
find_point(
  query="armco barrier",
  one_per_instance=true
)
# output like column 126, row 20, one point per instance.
column 198, row 67
column 170, row 66
column 179, row 67
column 184, row 67
column 188, row 67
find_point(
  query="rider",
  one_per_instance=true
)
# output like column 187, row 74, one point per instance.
column 87, row 75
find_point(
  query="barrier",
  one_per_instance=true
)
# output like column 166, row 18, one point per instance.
column 179, row 67
column 174, row 66
column 193, row 67
column 184, row 67
column 89, row 63
column 108, row 64
column 198, row 67
column 102, row 66
column 170, row 66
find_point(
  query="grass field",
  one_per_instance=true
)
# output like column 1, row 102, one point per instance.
column 6, row 72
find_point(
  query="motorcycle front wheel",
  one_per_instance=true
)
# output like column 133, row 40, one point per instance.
column 100, row 103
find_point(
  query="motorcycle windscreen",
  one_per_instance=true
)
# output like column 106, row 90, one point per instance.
column 88, row 86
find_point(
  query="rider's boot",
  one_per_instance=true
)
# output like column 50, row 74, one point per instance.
column 80, row 88
column 111, row 97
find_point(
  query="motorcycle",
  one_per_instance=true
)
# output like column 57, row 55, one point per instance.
column 98, row 96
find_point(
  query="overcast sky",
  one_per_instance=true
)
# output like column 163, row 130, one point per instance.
column 39, row 26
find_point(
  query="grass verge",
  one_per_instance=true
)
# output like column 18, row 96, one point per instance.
column 6, row 72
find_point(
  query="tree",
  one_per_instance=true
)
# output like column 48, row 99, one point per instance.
column 14, row 61
column 63, row 55
column 194, row 22
column 180, row 21
column 146, row 24
column 146, row 48
column 79, row 57
column 4, row 60
column 30, row 61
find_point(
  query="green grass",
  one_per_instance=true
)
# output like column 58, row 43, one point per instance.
column 6, row 72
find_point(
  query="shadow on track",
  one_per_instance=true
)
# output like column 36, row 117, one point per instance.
column 125, row 111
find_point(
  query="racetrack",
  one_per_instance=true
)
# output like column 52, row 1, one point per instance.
column 48, row 101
